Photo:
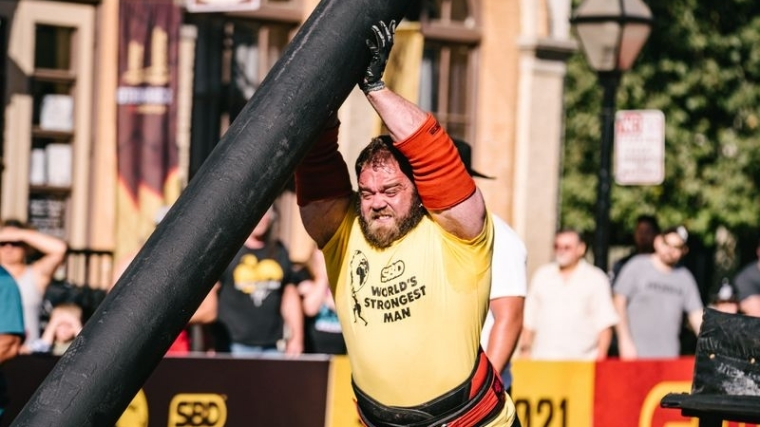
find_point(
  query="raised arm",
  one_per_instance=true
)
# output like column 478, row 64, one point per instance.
column 323, row 187
column 446, row 189
column 53, row 251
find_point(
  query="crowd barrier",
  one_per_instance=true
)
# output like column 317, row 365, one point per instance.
column 315, row 391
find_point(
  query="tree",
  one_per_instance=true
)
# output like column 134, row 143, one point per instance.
column 701, row 67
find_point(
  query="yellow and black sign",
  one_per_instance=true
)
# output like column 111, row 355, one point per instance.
column 197, row 410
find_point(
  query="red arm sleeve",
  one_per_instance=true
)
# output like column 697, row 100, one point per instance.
column 439, row 174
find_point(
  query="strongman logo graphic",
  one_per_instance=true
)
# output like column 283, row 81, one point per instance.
column 257, row 278
column 359, row 266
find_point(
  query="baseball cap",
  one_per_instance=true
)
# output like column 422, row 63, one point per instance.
column 679, row 230
column 725, row 293
column 465, row 153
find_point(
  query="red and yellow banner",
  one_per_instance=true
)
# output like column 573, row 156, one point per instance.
column 147, row 111
column 602, row 394
column 315, row 391
column 553, row 394
column 629, row 393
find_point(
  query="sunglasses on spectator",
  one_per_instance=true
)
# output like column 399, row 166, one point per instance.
column 677, row 246
column 562, row 247
column 14, row 244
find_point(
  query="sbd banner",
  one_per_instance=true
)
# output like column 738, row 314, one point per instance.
column 315, row 391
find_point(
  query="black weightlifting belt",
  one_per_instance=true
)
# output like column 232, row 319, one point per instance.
column 474, row 403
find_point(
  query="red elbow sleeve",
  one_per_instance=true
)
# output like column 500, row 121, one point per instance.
column 323, row 174
column 439, row 174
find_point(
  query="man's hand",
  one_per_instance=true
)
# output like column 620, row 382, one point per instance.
column 627, row 349
column 380, row 48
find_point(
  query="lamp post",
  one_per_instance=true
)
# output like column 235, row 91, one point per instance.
column 611, row 32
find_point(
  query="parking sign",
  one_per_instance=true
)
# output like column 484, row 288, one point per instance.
column 639, row 147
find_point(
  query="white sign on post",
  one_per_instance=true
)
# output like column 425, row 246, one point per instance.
column 639, row 147
column 195, row 6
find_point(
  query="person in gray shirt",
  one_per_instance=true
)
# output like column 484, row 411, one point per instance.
column 747, row 284
column 651, row 294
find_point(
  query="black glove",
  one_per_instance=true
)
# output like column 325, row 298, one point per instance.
column 380, row 48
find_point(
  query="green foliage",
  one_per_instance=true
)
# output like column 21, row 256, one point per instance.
column 701, row 67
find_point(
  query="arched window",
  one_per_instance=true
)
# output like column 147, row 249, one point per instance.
column 447, row 80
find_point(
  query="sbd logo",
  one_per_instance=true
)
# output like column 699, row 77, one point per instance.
column 197, row 410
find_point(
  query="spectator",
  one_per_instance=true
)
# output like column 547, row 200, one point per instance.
column 748, row 286
column 568, row 311
column 17, row 244
column 259, row 305
column 651, row 294
column 645, row 231
column 322, row 330
column 205, row 314
column 725, row 299
column 509, row 284
column 11, row 326
column 504, row 322
column 64, row 325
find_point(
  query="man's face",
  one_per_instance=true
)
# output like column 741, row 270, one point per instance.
column 643, row 237
column 568, row 249
column 669, row 248
column 388, row 204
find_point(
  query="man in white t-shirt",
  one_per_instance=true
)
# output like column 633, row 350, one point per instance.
column 568, row 311
column 509, row 284
column 502, row 327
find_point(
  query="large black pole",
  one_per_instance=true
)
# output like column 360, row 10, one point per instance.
column 609, row 81
column 128, row 335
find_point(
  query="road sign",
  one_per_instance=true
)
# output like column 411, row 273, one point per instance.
column 639, row 147
column 222, row 5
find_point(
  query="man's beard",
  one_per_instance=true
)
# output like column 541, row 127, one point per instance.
column 383, row 238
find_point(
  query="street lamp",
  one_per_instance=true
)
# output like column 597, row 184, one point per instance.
column 611, row 32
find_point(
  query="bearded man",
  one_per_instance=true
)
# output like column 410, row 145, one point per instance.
column 409, row 262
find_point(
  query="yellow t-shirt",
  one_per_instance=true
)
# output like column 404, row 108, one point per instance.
column 411, row 314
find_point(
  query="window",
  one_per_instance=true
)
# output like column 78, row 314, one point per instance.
column 233, row 55
column 447, row 77
column 250, row 51
column 449, row 10
column 52, row 130
column 48, row 128
column 444, row 86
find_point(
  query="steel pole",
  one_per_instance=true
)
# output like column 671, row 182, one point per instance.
column 128, row 335
column 609, row 82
